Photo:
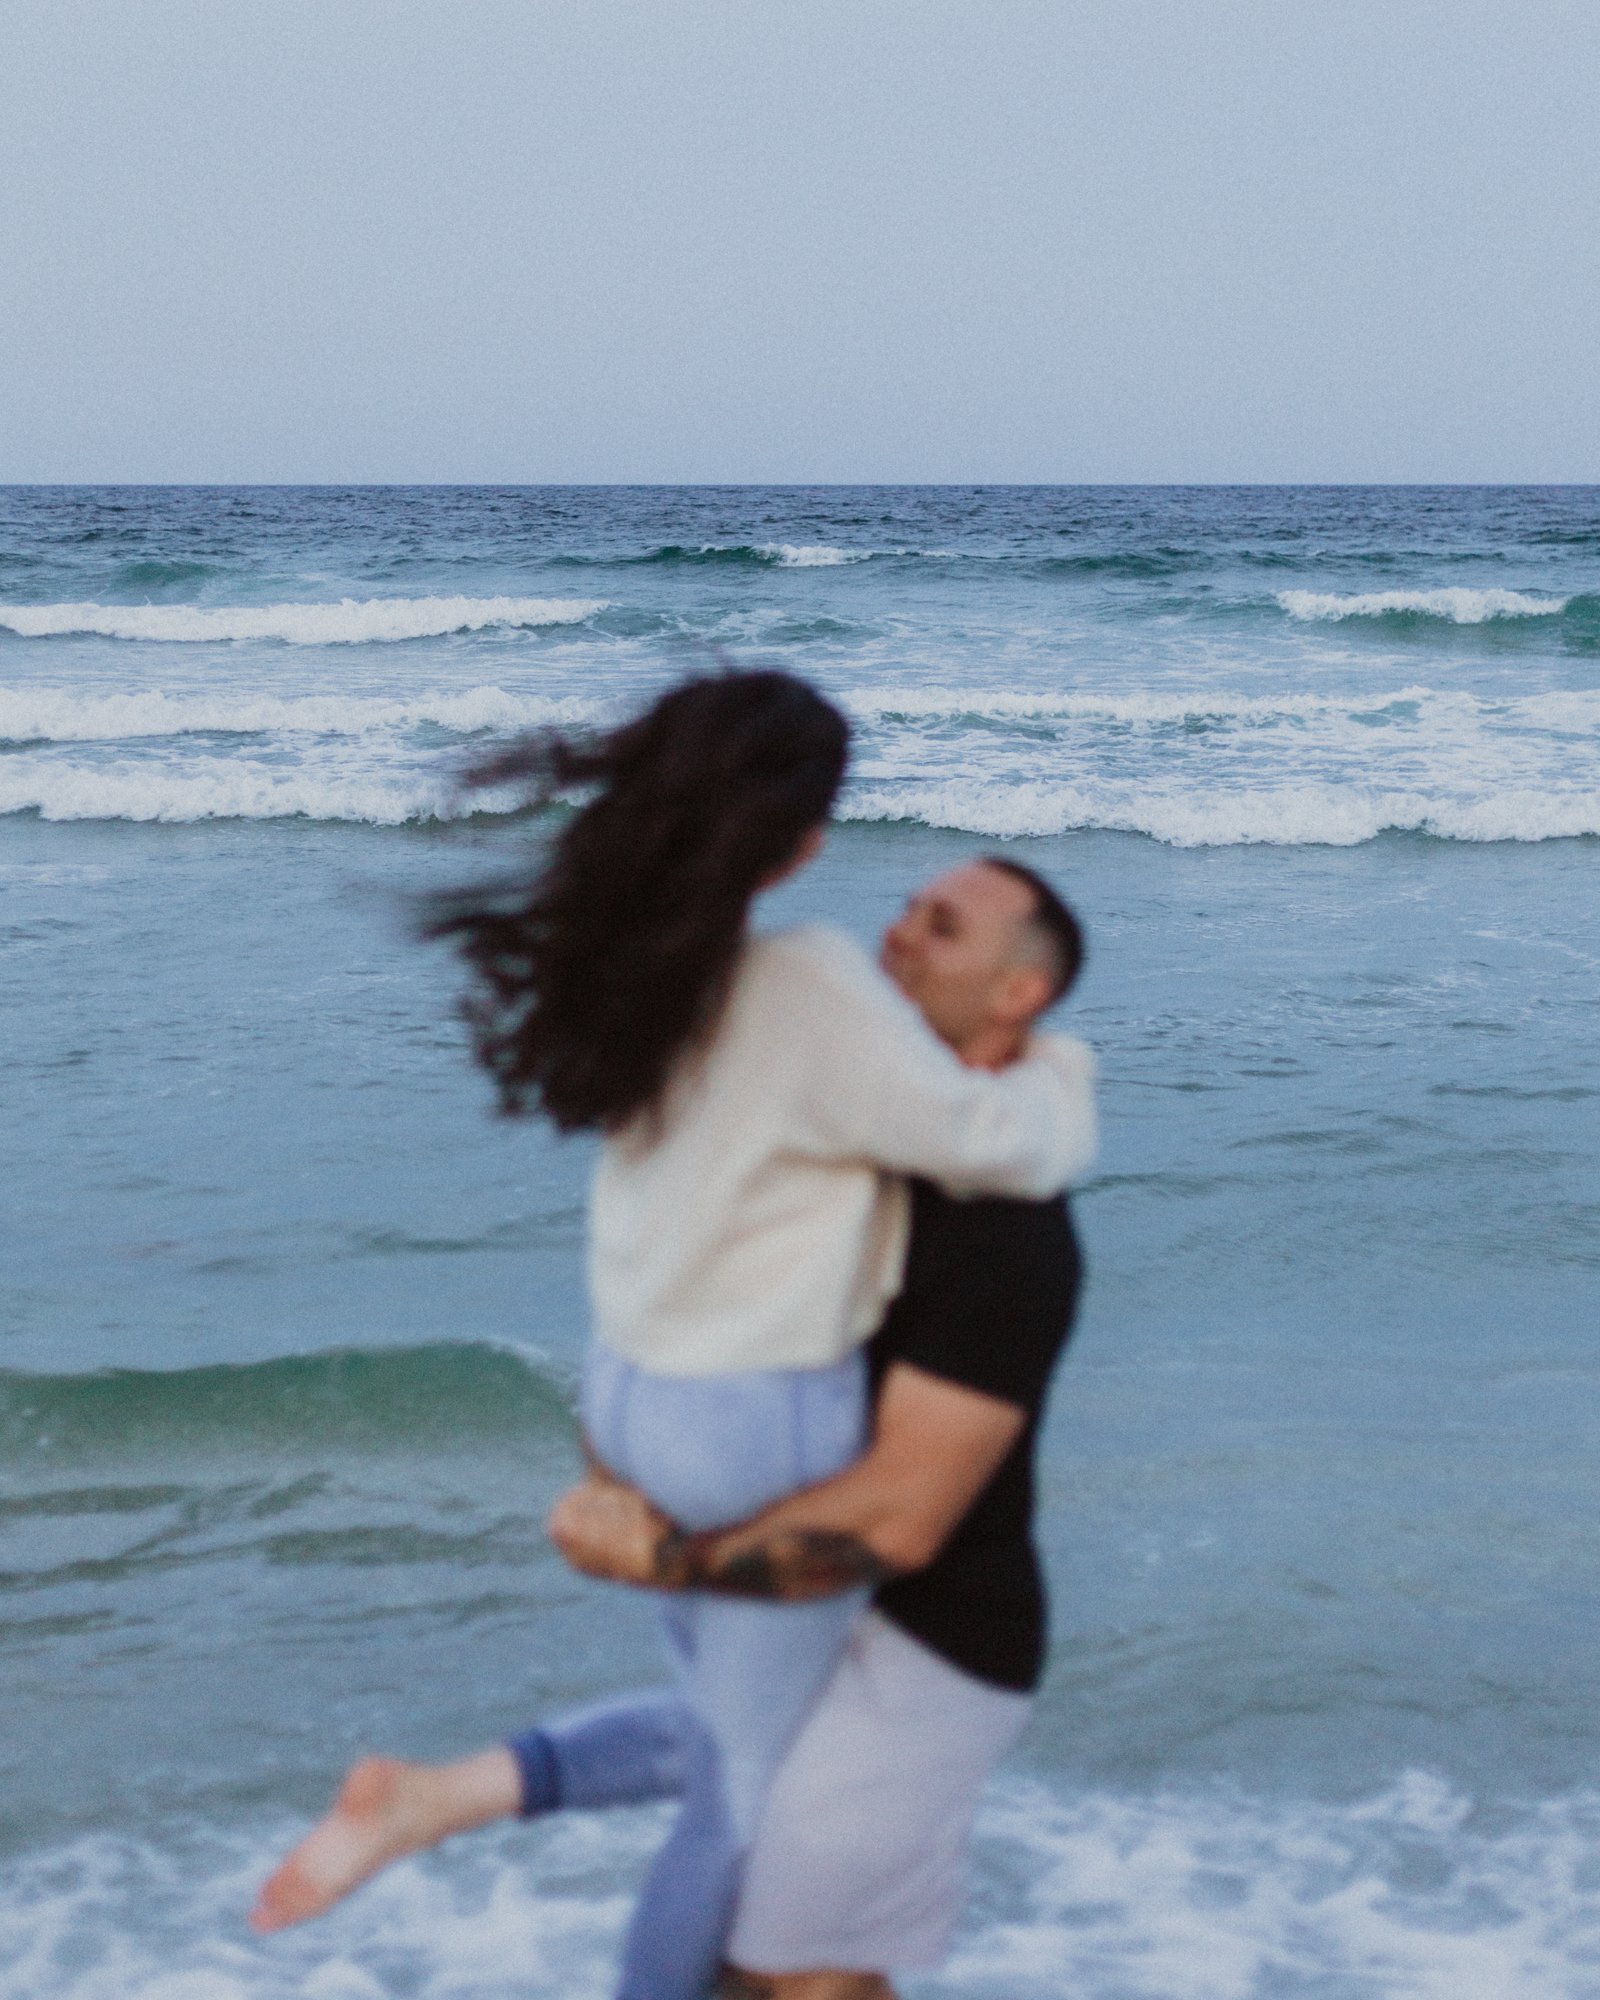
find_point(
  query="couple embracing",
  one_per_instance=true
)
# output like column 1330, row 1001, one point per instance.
column 831, row 1269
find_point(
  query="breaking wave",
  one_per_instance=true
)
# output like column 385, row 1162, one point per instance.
column 1224, row 769
column 1458, row 606
column 1192, row 768
column 61, row 715
column 447, row 1396
column 811, row 555
column 351, row 622
column 58, row 715
column 1331, row 814
column 1305, row 815
column 757, row 555
column 219, row 790
column 935, row 703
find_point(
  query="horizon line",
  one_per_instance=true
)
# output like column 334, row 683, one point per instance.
column 803, row 485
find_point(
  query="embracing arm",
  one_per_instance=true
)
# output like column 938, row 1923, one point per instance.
column 871, row 1081
column 936, row 1445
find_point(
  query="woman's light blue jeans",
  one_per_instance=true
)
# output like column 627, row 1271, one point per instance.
column 709, row 1450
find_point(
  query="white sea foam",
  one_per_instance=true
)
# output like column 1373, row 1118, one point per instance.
column 213, row 789
column 1330, row 815
column 1409, row 1895
column 1219, row 769
column 1459, row 605
column 64, row 715
column 934, row 702
column 126, row 1919
column 1192, row 768
column 353, row 621
column 60, row 715
column 1399, row 1897
column 811, row 555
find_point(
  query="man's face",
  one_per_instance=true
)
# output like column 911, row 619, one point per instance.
column 959, row 951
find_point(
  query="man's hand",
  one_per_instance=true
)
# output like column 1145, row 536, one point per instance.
column 608, row 1529
column 936, row 1447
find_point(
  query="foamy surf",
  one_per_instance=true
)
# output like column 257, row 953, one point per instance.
column 751, row 555
column 1189, row 768
column 1411, row 1894
column 811, row 555
column 1458, row 605
column 937, row 703
column 31, row 713
column 59, row 715
column 1306, row 815
column 247, row 793
column 351, row 622
column 499, row 1918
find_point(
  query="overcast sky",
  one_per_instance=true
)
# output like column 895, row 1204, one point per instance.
column 799, row 240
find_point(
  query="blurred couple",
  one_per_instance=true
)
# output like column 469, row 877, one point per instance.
column 831, row 1270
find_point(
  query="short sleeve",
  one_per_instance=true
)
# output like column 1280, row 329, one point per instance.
column 990, row 1291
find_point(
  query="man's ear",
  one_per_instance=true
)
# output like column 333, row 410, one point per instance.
column 1023, row 993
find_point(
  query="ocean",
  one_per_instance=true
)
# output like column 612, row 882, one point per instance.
column 290, row 1322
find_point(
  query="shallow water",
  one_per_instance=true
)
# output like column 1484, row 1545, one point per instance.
column 289, row 1324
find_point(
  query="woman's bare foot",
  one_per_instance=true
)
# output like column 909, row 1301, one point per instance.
column 385, row 1809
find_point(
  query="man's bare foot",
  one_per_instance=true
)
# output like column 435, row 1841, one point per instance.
column 385, row 1809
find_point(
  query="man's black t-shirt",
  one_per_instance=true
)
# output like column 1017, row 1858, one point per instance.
column 991, row 1286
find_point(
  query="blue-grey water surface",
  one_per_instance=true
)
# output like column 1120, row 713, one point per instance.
column 289, row 1323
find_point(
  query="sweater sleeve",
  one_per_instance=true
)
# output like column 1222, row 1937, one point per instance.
column 871, row 1081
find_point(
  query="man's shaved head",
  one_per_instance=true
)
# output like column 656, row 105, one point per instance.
column 1052, row 929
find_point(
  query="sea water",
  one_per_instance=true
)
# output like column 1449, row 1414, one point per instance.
column 289, row 1323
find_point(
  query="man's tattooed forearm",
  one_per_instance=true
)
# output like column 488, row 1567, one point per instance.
column 673, row 1558
column 792, row 1565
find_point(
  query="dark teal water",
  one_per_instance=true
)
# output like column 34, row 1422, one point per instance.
column 289, row 1324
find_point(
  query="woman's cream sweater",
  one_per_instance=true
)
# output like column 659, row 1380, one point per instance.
column 758, row 1220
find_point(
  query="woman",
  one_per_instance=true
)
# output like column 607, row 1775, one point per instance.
column 754, row 1095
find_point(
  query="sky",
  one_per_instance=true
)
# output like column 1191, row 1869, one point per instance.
column 799, row 240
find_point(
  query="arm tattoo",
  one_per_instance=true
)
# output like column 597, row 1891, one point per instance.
column 792, row 1565
column 736, row 1984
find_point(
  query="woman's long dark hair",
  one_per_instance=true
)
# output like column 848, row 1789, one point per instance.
column 588, row 985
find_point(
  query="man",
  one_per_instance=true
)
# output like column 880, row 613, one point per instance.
column 857, row 1864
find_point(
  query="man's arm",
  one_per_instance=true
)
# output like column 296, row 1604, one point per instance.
column 936, row 1445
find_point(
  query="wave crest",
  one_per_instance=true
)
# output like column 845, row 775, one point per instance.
column 758, row 555
column 233, row 791
column 1458, row 605
column 55, row 715
column 353, row 621
column 1201, row 767
column 1335, row 814
column 939, row 704
column 1331, row 814
column 447, row 1396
